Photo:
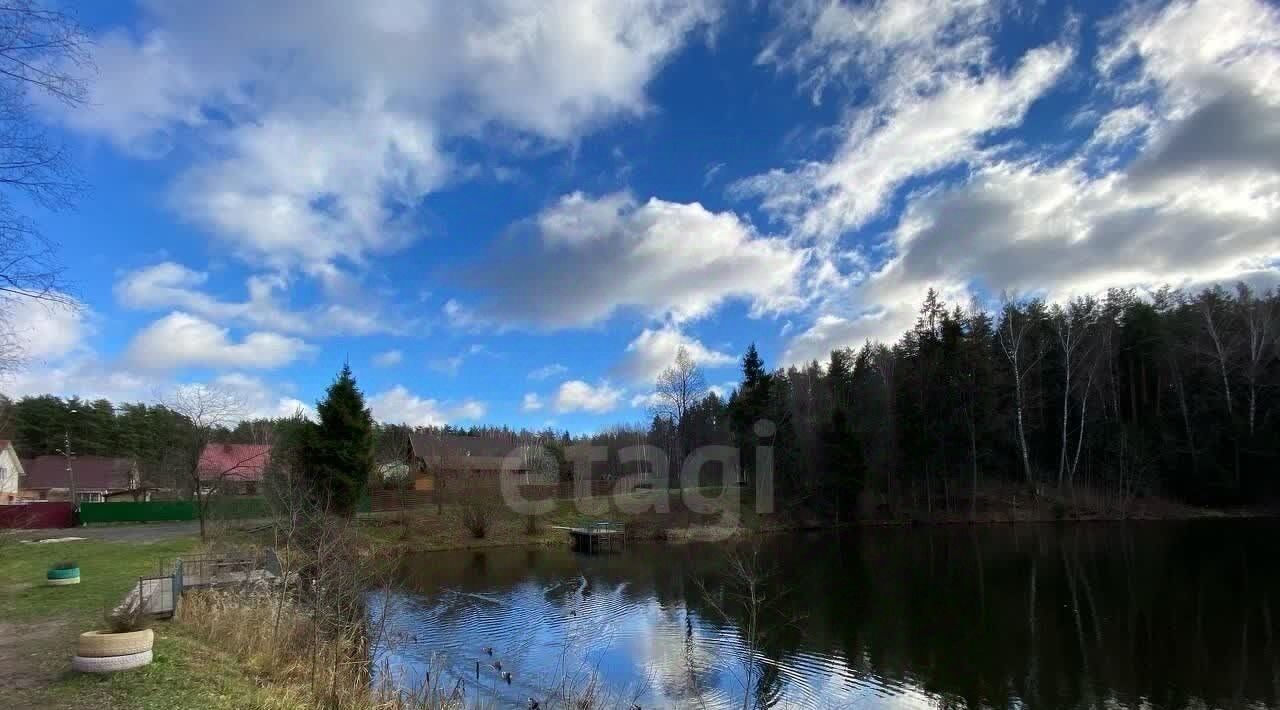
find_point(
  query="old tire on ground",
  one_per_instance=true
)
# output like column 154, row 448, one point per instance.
column 62, row 582
column 103, row 644
column 110, row 664
column 63, row 573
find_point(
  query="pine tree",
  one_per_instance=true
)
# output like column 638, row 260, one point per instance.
column 340, row 454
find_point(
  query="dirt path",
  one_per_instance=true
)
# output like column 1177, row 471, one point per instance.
column 25, row 653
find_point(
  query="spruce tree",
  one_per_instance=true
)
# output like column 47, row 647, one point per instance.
column 340, row 454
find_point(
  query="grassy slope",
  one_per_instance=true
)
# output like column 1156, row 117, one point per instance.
column 43, row 623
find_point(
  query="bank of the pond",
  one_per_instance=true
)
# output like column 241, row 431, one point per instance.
column 39, row 626
column 453, row 526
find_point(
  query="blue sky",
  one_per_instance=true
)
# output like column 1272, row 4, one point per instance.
column 513, row 213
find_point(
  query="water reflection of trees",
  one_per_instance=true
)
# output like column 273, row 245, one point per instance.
column 1077, row 616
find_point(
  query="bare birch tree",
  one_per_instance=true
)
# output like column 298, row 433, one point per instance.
column 1023, row 352
column 1259, row 316
column 1071, row 328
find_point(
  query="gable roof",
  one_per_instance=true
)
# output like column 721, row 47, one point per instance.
column 234, row 462
column 455, row 451
column 91, row 472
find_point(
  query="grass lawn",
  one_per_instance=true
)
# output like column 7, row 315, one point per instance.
column 39, row 625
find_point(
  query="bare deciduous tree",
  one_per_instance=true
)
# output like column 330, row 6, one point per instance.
column 1259, row 315
column 207, row 409
column 678, row 389
column 1023, row 353
column 43, row 53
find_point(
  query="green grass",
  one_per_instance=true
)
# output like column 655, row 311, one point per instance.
column 107, row 570
column 42, row 624
column 185, row 675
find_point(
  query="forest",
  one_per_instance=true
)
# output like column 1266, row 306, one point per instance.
column 1173, row 395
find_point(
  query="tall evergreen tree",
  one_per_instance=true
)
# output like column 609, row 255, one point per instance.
column 340, row 456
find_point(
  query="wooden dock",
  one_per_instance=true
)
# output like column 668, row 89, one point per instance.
column 603, row 536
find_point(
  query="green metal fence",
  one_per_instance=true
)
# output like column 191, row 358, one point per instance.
column 131, row 512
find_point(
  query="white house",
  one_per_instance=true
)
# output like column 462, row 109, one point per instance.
column 10, row 472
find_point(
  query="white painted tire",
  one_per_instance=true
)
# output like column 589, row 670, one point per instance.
column 62, row 582
column 101, row 644
column 110, row 664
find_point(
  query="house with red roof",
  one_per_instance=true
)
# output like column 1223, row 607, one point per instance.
column 92, row 478
column 10, row 472
column 234, row 468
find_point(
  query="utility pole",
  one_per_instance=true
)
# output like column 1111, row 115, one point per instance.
column 68, row 454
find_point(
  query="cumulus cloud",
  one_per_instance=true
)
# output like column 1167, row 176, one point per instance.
column 579, row 396
column 654, row 350
column 43, row 330
column 183, row 340
column 389, row 358
column 172, row 285
column 595, row 257
column 400, row 406
column 259, row 400
column 276, row 91
column 86, row 376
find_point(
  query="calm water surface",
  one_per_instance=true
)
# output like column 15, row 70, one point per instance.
column 1151, row 615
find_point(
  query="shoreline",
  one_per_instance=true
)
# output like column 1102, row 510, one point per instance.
column 695, row 533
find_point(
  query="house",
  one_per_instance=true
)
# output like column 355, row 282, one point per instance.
column 94, row 479
column 438, row 460
column 10, row 472
column 234, row 469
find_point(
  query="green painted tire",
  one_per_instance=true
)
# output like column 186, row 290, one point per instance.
column 62, row 582
column 64, row 573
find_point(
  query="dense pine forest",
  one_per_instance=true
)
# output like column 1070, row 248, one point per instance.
column 1122, row 396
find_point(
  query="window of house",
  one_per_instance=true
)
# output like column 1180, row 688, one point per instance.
column 89, row 497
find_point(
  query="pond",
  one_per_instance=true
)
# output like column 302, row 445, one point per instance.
column 1153, row 615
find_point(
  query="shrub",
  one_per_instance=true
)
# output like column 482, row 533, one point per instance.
column 531, row 525
column 130, row 616
column 475, row 518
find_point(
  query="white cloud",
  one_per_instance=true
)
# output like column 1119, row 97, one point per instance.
column 389, row 358
column 579, row 396
column 1188, row 88
column 89, row 377
column 902, row 136
column 271, row 95
column 398, row 405
column 531, row 403
column 258, row 399
column 172, row 285
column 44, row 330
column 546, row 371
column 85, row 376
column 181, row 340
column 294, row 189
column 654, row 350
column 646, row 401
column 723, row 390
column 597, row 256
